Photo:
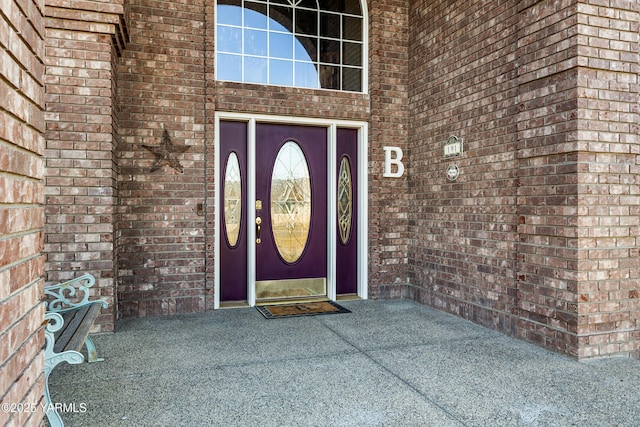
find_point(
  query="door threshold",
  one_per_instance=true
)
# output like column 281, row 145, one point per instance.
column 348, row 297
column 292, row 301
column 234, row 304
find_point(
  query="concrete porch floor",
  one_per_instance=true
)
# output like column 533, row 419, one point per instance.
column 388, row 363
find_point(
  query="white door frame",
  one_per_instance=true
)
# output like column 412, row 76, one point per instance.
column 362, row 219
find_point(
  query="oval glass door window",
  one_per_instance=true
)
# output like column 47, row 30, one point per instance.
column 290, row 202
column 345, row 200
column 232, row 199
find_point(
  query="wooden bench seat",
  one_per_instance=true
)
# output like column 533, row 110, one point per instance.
column 76, row 327
column 68, row 321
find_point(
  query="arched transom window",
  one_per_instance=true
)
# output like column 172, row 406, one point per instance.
column 302, row 43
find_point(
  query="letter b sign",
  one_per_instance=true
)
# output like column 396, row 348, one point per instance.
column 393, row 158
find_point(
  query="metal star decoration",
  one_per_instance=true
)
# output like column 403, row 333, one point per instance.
column 166, row 153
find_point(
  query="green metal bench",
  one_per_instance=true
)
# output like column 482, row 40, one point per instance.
column 69, row 318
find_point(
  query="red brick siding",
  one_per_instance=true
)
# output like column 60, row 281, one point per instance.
column 548, row 273
column 80, row 181
column 463, row 233
column 608, row 191
column 209, row 153
column 82, row 46
column 21, row 214
column 388, row 126
column 578, row 195
column 115, row 150
column 538, row 237
column 160, row 236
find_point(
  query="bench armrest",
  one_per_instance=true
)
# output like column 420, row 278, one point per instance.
column 69, row 289
column 52, row 323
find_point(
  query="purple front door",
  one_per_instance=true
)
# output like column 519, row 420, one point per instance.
column 290, row 236
column 291, row 211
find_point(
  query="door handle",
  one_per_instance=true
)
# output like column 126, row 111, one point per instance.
column 258, row 228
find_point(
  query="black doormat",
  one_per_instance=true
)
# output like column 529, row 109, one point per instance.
column 301, row 309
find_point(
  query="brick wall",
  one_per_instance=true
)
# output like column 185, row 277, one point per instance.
column 80, row 139
column 608, row 191
column 463, row 233
column 388, row 126
column 21, row 213
column 160, row 234
column 209, row 153
column 538, row 236
column 578, row 150
column 548, row 277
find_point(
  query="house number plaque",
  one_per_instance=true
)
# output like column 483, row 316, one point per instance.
column 453, row 147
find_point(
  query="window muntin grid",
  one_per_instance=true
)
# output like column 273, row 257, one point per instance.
column 302, row 43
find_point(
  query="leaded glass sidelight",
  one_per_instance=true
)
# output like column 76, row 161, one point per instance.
column 345, row 200
column 290, row 202
column 232, row 199
column 301, row 43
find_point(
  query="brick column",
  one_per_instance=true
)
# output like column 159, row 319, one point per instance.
column 608, row 187
column 82, row 42
column 21, row 213
column 548, row 276
column 388, row 197
column 578, row 193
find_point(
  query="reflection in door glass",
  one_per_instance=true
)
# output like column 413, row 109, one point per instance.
column 290, row 202
column 232, row 199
